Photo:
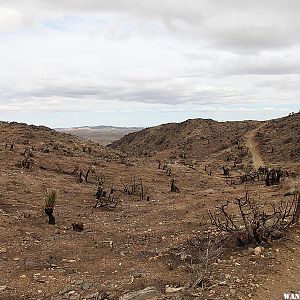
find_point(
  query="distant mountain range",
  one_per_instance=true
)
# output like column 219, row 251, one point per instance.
column 100, row 127
column 102, row 133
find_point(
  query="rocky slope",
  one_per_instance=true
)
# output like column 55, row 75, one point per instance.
column 279, row 140
column 196, row 139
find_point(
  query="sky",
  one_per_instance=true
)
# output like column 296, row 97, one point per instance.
column 70, row 63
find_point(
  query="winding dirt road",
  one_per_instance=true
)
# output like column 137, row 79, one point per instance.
column 253, row 147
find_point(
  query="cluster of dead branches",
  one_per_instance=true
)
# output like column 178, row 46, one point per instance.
column 249, row 222
column 165, row 167
column 226, row 170
column 105, row 199
column 249, row 177
column 25, row 163
column 269, row 176
column 85, row 176
column 208, row 170
column 200, row 270
column 10, row 146
column 82, row 177
column 135, row 187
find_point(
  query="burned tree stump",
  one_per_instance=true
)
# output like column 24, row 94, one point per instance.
column 77, row 227
column 49, row 213
column 174, row 188
column 226, row 171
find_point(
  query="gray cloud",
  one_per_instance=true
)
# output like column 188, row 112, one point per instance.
column 233, row 24
column 84, row 55
column 170, row 92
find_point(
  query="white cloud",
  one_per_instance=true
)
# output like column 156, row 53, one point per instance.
column 10, row 19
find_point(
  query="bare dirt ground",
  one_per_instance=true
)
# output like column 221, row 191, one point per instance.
column 140, row 243
column 286, row 278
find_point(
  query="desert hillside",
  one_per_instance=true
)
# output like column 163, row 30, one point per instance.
column 279, row 140
column 136, row 225
column 195, row 139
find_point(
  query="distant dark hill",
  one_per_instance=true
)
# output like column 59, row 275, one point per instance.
column 195, row 138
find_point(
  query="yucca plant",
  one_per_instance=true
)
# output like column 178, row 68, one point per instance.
column 49, row 205
column 51, row 199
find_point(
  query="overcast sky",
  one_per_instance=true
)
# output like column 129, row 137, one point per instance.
column 144, row 62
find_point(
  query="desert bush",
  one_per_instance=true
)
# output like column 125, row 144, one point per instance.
column 25, row 163
column 134, row 187
column 105, row 199
column 200, row 269
column 249, row 222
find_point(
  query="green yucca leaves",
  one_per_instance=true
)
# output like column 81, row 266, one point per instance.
column 51, row 198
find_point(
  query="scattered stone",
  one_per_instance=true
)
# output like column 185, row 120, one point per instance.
column 38, row 278
column 85, row 286
column 57, row 298
column 139, row 274
column 77, row 281
column 93, row 296
column 258, row 250
column 103, row 295
column 2, row 288
column 183, row 255
column 74, row 296
column 71, row 292
column 232, row 291
column 66, row 289
column 145, row 294
column 170, row 289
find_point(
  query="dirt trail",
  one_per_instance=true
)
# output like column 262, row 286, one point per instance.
column 253, row 147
